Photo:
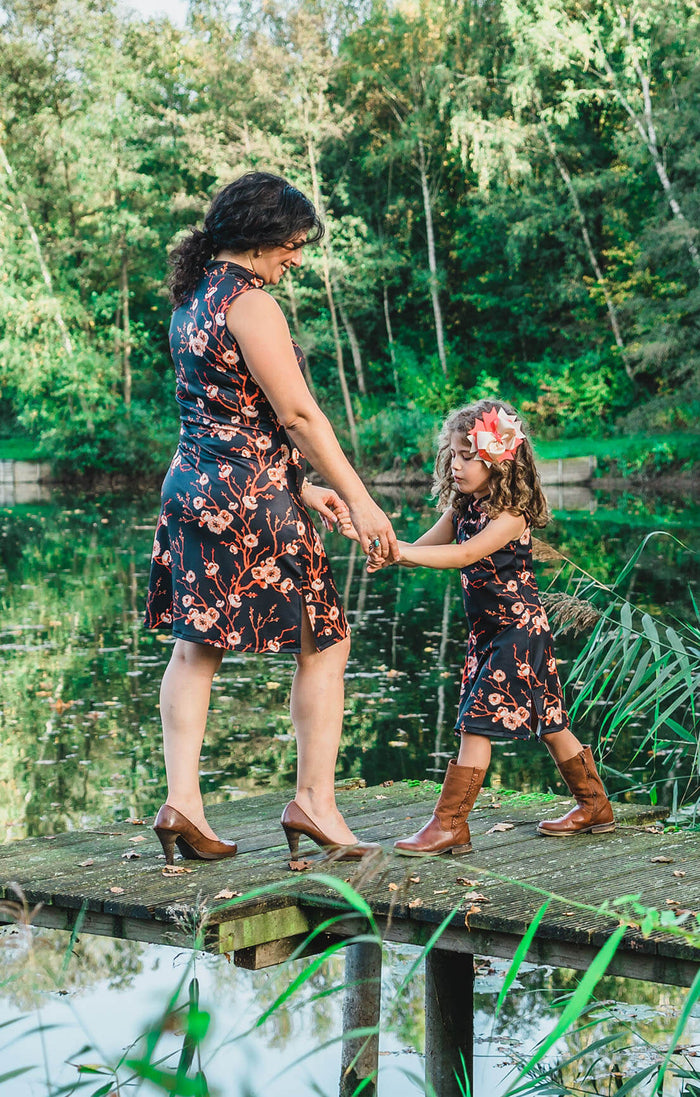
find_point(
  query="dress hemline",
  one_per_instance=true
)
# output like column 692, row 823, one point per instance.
column 197, row 638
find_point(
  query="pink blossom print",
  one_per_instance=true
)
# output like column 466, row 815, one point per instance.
column 510, row 685
column 236, row 559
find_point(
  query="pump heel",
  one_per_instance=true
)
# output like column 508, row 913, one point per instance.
column 292, row 837
column 167, row 840
column 173, row 828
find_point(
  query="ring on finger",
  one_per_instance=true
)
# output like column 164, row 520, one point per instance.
column 376, row 543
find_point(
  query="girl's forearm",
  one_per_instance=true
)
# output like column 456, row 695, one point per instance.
column 436, row 556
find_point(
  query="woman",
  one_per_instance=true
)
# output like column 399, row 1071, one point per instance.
column 237, row 564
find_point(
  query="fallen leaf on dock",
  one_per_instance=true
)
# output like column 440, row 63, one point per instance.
column 662, row 860
column 654, row 830
column 138, row 838
column 672, row 903
column 117, row 891
column 442, row 891
column 393, row 887
column 415, row 903
column 414, row 879
column 136, row 822
column 477, row 897
column 130, row 855
column 467, row 883
column 299, row 866
column 499, row 828
column 86, row 864
column 678, row 872
column 387, row 784
column 494, row 804
column 472, row 910
column 227, row 894
column 569, row 913
column 175, row 870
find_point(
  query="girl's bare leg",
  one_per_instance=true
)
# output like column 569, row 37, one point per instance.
column 184, row 703
column 474, row 750
column 562, row 745
column 317, row 702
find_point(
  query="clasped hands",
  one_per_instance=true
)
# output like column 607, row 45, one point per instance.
column 365, row 523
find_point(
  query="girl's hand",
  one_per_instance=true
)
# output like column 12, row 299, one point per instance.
column 375, row 561
column 333, row 511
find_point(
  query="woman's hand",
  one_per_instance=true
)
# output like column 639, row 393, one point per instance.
column 335, row 514
column 372, row 526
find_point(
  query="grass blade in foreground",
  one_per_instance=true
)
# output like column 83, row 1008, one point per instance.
column 520, row 954
column 693, row 995
column 576, row 1004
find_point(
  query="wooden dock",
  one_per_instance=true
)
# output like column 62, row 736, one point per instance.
column 112, row 878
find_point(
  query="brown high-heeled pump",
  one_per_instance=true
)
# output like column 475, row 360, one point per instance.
column 173, row 829
column 296, row 822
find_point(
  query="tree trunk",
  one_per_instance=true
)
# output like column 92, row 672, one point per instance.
column 646, row 128
column 43, row 267
column 326, row 272
column 126, row 328
column 292, row 298
column 432, row 262
column 48, row 282
column 354, row 348
column 600, row 277
column 390, row 336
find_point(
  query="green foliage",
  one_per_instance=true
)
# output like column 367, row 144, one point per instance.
column 476, row 181
column 400, row 437
column 584, row 396
column 638, row 667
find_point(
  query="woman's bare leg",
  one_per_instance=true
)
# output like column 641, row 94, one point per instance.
column 317, row 702
column 184, row 703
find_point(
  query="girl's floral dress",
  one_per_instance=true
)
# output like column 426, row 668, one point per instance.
column 235, row 556
column 510, row 686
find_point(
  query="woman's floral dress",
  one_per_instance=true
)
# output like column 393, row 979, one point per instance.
column 235, row 554
column 510, row 686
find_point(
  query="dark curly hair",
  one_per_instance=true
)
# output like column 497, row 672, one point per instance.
column 514, row 485
column 258, row 210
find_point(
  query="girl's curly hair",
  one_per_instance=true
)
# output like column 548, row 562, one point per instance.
column 257, row 210
column 514, row 485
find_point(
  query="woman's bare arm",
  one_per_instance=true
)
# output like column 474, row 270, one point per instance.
column 257, row 323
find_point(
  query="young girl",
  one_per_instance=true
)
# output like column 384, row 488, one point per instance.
column 485, row 477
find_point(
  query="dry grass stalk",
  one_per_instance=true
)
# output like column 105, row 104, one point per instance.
column 570, row 614
column 543, row 551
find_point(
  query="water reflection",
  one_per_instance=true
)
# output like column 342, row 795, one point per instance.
column 79, row 705
column 110, row 993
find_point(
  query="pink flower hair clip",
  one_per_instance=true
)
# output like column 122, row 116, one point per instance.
column 495, row 437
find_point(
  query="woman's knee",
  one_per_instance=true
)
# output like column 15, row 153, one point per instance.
column 198, row 657
column 331, row 658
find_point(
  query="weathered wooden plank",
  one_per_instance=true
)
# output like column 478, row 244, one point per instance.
column 133, row 898
column 261, row 928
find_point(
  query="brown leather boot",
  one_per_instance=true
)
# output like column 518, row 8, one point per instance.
column 593, row 812
column 448, row 829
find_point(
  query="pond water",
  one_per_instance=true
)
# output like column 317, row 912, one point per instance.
column 80, row 746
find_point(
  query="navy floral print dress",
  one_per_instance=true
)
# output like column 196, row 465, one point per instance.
column 236, row 557
column 510, row 686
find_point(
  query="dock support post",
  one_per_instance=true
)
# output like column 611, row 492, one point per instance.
column 449, row 1021
column 361, row 1008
